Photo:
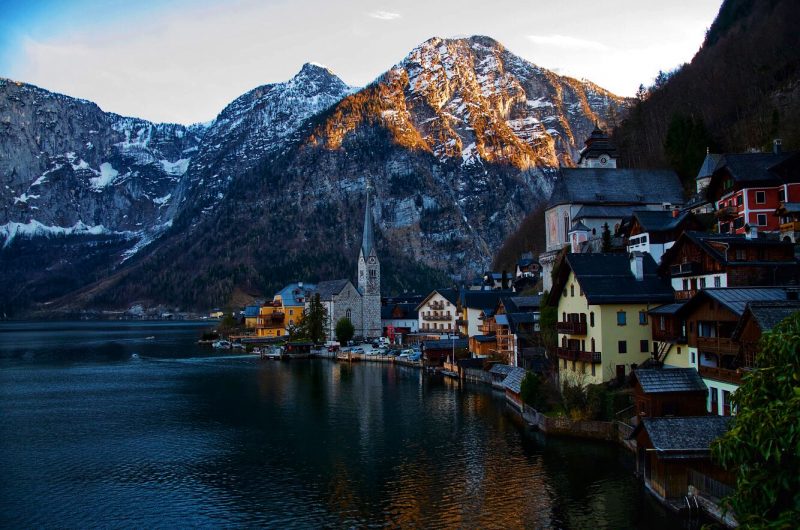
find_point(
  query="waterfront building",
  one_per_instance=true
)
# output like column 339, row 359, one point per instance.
column 436, row 352
column 747, row 188
column 603, row 303
column 597, row 193
column 251, row 316
column 474, row 307
column 699, row 260
column 284, row 311
column 438, row 312
column 668, row 328
column 399, row 319
column 668, row 392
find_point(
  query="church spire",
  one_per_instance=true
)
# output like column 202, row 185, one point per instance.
column 368, row 241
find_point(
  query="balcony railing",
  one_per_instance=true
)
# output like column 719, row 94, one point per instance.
column 667, row 335
column 571, row 327
column 433, row 316
column 578, row 355
column 718, row 345
column 721, row 374
column 685, row 295
column 690, row 267
column 436, row 305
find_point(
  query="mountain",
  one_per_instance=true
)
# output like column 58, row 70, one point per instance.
column 740, row 91
column 459, row 140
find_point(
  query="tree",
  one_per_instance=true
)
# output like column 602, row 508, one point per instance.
column 315, row 316
column 531, row 390
column 504, row 280
column 606, row 235
column 344, row 330
column 762, row 446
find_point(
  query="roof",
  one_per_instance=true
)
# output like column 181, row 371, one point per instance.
column 527, row 302
column 484, row 338
column 607, row 279
column 752, row 167
column 683, row 437
column 451, row 295
column 579, row 226
column 368, row 239
column 711, row 244
column 736, row 298
column 658, row 220
column 329, row 288
column 445, row 344
column 623, row 186
column 513, row 380
column 659, row 380
column 710, row 163
column 251, row 311
column 516, row 319
column 501, row 319
column 501, row 369
column 409, row 311
column 598, row 144
column 667, row 309
column 484, row 300
column 788, row 208
column 766, row 315
column 599, row 211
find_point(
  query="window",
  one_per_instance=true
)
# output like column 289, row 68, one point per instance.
column 572, row 290
column 643, row 345
column 693, row 358
column 591, row 319
column 593, row 350
column 781, row 195
column 739, row 200
column 702, row 283
column 347, row 314
column 573, row 366
column 741, row 255
column 563, row 316
column 761, row 197
column 761, row 219
column 685, row 284
column 623, row 346
column 679, row 350
column 565, row 364
column 717, row 281
column 621, row 318
column 662, row 323
column 642, row 318
column 566, row 229
column 592, row 369
column 738, row 223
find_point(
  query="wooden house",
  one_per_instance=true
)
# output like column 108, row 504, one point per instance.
column 655, row 231
column 668, row 392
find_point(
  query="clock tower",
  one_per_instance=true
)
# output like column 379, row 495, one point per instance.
column 599, row 151
column 369, row 279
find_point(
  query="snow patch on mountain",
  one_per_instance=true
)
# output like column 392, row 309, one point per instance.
column 12, row 230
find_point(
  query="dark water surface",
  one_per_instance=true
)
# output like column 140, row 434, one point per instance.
column 101, row 425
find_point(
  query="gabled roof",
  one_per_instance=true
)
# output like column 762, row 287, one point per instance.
column 522, row 303
column 451, row 295
column 408, row 311
column 515, row 320
column 735, row 299
column 766, row 315
column 659, row 220
column 513, row 380
column 710, row 163
column 292, row 293
column 607, row 279
column 329, row 288
column 501, row 369
column 251, row 311
column 667, row 309
column 713, row 245
column 752, row 167
column 683, row 437
column 483, row 300
column 620, row 186
column 660, row 380
column 600, row 211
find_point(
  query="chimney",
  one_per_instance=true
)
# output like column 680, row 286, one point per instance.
column 777, row 146
column 637, row 265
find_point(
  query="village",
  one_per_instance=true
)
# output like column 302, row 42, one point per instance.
column 636, row 324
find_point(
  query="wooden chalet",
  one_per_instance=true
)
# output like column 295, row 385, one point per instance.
column 668, row 392
column 757, row 319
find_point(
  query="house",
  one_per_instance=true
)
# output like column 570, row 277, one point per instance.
column 597, row 194
column 789, row 218
column 512, row 385
column 603, row 302
column 528, row 269
column 655, row 231
column 712, row 316
column 498, row 373
column 670, row 346
column 250, row 316
column 435, row 352
column 698, row 260
column 668, row 392
column 516, row 325
column 483, row 345
column 474, row 307
column 674, row 453
column 757, row 319
column 399, row 319
column 438, row 312
column 747, row 188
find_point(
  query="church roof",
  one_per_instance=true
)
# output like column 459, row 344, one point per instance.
column 368, row 240
column 598, row 144
column 329, row 288
column 612, row 186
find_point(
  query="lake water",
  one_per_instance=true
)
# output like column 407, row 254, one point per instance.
column 133, row 425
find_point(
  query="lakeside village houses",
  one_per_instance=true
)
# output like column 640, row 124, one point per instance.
column 675, row 307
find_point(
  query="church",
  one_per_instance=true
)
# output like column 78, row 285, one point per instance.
column 362, row 305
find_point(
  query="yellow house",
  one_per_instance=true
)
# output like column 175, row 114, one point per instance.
column 285, row 310
column 603, row 325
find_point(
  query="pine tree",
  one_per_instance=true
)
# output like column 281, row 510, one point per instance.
column 606, row 238
column 315, row 316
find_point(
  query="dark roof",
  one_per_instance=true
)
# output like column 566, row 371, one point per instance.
column 526, row 302
column 579, row 226
column 623, row 186
column 766, row 315
column 736, row 298
column 484, row 300
column 683, row 437
column 445, row 344
column 251, row 311
column 752, row 167
column 329, row 288
column 598, row 144
column 600, row 211
column 607, row 279
column 706, row 242
column 513, row 380
column 484, row 338
column 501, row 369
column 409, row 311
column 658, row 380
column 658, row 220
column 516, row 319
column 667, row 309
column 709, row 165
column 451, row 295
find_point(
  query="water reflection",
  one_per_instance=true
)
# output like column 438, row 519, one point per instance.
column 208, row 440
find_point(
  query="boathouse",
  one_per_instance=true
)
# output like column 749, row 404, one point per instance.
column 669, row 392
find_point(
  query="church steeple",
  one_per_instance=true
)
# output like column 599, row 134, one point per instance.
column 369, row 278
column 368, row 239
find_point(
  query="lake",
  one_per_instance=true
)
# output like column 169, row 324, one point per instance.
column 134, row 425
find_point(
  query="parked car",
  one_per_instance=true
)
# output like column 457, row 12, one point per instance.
column 357, row 349
column 415, row 357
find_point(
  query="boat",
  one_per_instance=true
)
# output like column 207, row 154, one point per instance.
column 222, row 345
column 271, row 353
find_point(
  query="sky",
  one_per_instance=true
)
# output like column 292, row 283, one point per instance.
column 183, row 60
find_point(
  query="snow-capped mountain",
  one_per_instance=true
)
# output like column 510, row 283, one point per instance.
column 459, row 140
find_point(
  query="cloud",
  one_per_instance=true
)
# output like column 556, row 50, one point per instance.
column 565, row 41
column 385, row 15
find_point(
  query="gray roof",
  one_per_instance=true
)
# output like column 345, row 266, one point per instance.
column 621, row 186
column 501, row 369
column 767, row 315
column 736, row 298
column 484, row 300
column 484, row 338
column 753, row 167
column 600, row 211
column 709, row 165
column 368, row 240
column 292, row 293
column 445, row 343
column 607, row 279
column 683, row 437
column 513, row 380
column 598, row 144
column 658, row 380
column 329, row 288
column 667, row 309
column 516, row 319
column 526, row 302
column 658, row 220
column 789, row 208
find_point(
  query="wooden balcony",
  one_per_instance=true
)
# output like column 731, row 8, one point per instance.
column 685, row 269
column 721, row 374
column 685, row 295
column 578, row 355
column 436, row 305
column 571, row 327
column 667, row 335
column 435, row 317
column 718, row 345
column 727, row 213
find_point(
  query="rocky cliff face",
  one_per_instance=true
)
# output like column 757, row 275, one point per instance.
column 459, row 140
